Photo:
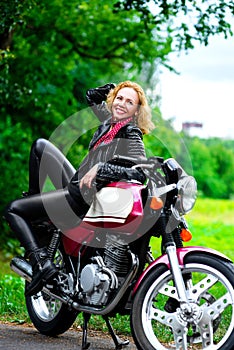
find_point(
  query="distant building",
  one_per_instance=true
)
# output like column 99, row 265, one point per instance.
column 188, row 125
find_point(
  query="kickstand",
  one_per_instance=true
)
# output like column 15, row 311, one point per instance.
column 118, row 342
column 85, row 344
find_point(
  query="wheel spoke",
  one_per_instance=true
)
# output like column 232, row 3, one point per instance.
column 165, row 318
column 205, row 326
column 180, row 336
column 41, row 305
column 202, row 286
column 216, row 308
column 169, row 291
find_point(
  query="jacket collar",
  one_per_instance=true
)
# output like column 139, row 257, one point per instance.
column 102, row 130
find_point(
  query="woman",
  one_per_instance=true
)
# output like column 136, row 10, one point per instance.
column 120, row 134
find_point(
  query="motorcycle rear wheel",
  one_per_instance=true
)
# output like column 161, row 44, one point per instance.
column 211, row 293
column 50, row 317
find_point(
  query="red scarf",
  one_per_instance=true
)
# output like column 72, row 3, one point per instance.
column 108, row 137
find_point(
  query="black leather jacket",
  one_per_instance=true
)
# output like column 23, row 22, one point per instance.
column 127, row 142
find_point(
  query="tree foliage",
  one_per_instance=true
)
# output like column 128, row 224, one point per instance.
column 184, row 21
column 53, row 50
column 213, row 166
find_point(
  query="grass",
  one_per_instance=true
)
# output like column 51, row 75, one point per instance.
column 211, row 223
column 12, row 302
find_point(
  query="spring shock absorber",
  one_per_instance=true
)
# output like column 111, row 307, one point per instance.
column 54, row 243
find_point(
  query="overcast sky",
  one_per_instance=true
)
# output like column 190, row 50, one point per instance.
column 204, row 90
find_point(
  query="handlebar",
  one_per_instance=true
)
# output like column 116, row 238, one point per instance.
column 140, row 161
column 160, row 184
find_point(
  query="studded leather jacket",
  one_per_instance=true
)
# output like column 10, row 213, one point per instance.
column 127, row 142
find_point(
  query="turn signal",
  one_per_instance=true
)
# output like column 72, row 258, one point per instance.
column 156, row 203
column 185, row 235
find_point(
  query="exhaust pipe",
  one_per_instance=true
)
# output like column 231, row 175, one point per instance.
column 22, row 268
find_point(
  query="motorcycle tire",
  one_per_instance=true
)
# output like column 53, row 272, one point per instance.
column 211, row 295
column 50, row 316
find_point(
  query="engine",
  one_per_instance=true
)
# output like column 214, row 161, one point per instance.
column 116, row 256
column 104, row 274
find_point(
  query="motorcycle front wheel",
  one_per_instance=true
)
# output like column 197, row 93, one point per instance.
column 207, row 322
column 49, row 315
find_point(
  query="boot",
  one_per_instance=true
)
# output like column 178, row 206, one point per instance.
column 43, row 271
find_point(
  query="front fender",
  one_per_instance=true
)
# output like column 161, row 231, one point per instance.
column 181, row 254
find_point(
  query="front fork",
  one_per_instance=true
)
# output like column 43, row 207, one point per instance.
column 170, row 243
column 177, row 277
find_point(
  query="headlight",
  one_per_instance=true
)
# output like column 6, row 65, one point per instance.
column 187, row 192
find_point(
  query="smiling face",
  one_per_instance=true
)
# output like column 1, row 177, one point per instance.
column 125, row 104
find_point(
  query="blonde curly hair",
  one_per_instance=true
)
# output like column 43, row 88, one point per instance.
column 143, row 118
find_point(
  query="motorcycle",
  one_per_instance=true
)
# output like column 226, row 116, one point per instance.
column 182, row 299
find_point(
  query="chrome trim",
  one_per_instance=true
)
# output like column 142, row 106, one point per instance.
column 22, row 268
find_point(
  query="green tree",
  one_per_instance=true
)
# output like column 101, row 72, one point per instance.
column 225, row 169
column 213, row 166
column 204, row 167
column 184, row 21
column 52, row 51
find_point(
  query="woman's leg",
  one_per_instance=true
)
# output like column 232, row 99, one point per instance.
column 22, row 212
column 47, row 160
column 55, row 205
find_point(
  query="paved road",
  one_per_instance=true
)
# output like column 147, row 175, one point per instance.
column 27, row 338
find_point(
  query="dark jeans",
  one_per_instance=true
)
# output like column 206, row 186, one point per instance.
column 45, row 160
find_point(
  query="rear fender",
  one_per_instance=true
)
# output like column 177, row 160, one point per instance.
column 181, row 254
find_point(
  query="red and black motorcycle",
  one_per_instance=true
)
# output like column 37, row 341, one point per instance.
column 182, row 299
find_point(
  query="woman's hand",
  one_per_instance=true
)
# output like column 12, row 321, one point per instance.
column 88, row 178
